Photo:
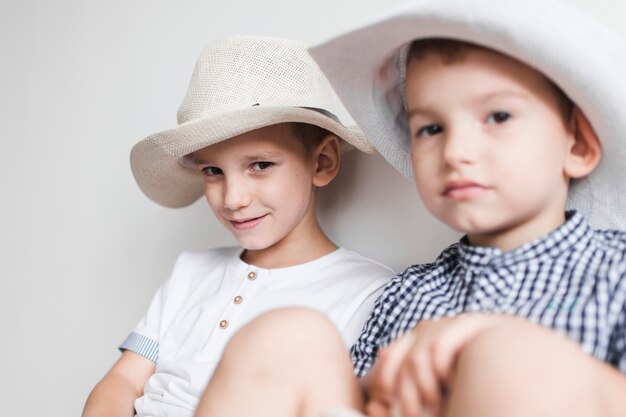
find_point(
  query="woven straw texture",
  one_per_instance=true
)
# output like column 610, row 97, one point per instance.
column 239, row 84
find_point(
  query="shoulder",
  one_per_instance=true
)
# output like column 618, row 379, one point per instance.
column 609, row 249
column 348, row 271
column 192, row 266
column 445, row 261
column 610, row 240
column 609, row 254
column 354, row 261
column 425, row 275
column 208, row 256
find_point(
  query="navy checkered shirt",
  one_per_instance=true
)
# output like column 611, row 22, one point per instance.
column 572, row 280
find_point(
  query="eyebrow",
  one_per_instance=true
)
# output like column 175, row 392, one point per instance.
column 260, row 156
column 506, row 93
column 484, row 98
column 247, row 158
column 416, row 111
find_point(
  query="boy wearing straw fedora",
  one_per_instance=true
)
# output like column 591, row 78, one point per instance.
column 258, row 134
column 510, row 118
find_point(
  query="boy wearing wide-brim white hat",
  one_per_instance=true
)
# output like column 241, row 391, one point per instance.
column 258, row 134
column 504, row 113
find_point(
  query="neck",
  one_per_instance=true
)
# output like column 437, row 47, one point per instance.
column 511, row 237
column 304, row 244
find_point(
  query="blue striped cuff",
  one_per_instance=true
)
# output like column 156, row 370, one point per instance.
column 141, row 345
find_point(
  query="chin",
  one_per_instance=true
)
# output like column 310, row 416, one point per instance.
column 472, row 226
column 254, row 245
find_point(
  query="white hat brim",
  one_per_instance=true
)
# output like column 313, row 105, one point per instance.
column 582, row 57
column 155, row 161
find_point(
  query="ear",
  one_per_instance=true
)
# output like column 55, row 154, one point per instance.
column 585, row 152
column 326, row 160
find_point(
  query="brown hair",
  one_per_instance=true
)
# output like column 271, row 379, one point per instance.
column 310, row 135
column 451, row 51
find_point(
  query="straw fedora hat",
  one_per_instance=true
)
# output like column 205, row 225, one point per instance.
column 239, row 84
column 582, row 57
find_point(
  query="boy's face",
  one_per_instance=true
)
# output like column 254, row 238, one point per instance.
column 489, row 146
column 259, row 186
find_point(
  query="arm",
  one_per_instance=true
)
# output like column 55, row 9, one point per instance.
column 615, row 388
column 115, row 394
column 415, row 371
column 616, row 380
column 375, row 331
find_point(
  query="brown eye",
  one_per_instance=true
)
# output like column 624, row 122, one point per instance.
column 429, row 130
column 498, row 117
column 211, row 171
column 261, row 166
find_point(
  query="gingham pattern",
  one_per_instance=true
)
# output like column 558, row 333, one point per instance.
column 573, row 280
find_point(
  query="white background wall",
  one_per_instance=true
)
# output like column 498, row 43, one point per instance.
column 81, row 249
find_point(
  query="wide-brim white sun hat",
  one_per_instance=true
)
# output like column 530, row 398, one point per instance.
column 239, row 84
column 581, row 56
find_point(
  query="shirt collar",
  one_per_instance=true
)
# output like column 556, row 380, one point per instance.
column 574, row 231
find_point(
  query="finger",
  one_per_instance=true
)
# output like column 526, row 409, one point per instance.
column 426, row 380
column 449, row 345
column 377, row 409
column 391, row 359
column 377, row 389
column 408, row 394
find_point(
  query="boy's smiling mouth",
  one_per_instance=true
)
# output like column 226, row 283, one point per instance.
column 463, row 190
column 247, row 224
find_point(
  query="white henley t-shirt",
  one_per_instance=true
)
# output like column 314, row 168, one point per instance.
column 212, row 294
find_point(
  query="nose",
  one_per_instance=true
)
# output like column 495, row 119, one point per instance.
column 236, row 193
column 460, row 147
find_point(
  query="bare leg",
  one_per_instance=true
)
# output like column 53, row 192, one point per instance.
column 289, row 362
column 525, row 371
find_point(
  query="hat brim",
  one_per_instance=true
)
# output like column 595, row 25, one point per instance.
column 155, row 161
column 582, row 57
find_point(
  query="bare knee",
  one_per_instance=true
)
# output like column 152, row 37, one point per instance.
column 283, row 333
column 296, row 352
column 285, row 326
column 522, row 370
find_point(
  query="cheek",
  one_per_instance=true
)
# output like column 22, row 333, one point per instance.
column 424, row 169
column 297, row 191
column 300, row 182
column 212, row 194
column 289, row 188
column 428, row 194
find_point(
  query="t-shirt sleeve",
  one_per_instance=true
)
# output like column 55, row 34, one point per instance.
column 362, row 306
column 144, row 339
column 375, row 331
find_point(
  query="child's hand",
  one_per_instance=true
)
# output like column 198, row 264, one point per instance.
column 379, row 383
column 416, row 369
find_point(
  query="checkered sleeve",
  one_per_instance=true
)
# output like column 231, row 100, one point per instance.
column 375, row 331
column 617, row 343
column 617, row 351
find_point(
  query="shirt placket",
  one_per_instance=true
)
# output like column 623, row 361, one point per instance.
column 480, row 297
column 229, row 320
